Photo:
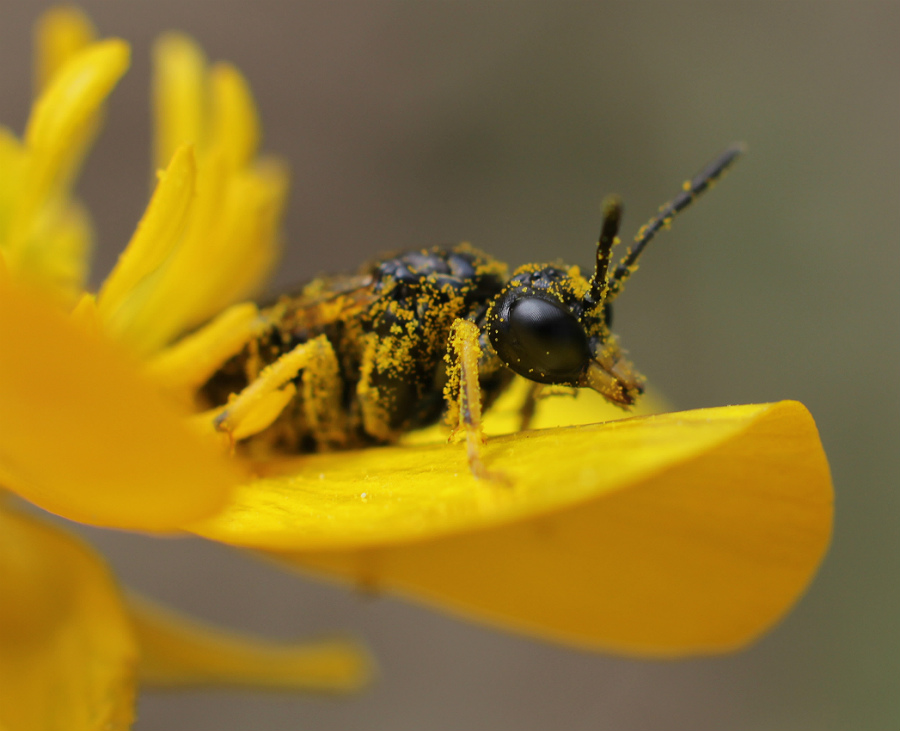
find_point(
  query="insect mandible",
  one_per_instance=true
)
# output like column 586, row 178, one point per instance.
column 355, row 361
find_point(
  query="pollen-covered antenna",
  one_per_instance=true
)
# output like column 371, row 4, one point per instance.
column 612, row 217
column 690, row 190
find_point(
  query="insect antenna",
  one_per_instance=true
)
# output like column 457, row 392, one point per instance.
column 612, row 217
column 690, row 191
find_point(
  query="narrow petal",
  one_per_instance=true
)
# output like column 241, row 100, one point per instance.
column 156, row 237
column 60, row 262
column 84, row 436
column 250, row 241
column 179, row 95
column 678, row 533
column 51, row 249
column 61, row 123
column 69, row 657
column 231, row 242
column 234, row 122
column 177, row 651
column 193, row 359
column 12, row 163
column 231, row 234
column 60, row 33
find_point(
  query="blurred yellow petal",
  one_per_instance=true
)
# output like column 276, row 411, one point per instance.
column 69, row 657
column 560, row 409
column 234, row 124
column 158, row 234
column 60, row 33
column 83, row 435
column 12, row 163
column 44, row 234
column 190, row 362
column 222, row 257
column 177, row 651
column 678, row 533
column 229, row 239
column 179, row 95
column 246, row 239
column 61, row 262
column 57, row 134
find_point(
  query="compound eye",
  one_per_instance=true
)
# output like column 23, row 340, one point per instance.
column 542, row 341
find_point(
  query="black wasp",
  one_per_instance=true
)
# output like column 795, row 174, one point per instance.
column 358, row 360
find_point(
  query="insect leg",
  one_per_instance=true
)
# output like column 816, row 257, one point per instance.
column 529, row 404
column 375, row 416
column 321, row 389
column 260, row 403
column 464, row 389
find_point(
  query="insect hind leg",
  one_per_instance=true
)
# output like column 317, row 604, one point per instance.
column 257, row 406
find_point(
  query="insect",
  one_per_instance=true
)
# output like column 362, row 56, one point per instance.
column 354, row 361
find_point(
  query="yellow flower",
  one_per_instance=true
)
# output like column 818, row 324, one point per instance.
column 72, row 648
column 667, row 535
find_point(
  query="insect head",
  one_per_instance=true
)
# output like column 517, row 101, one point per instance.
column 552, row 326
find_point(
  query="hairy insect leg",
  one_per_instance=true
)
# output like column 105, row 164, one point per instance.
column 529, row 404
column 321, row 389
column 375, row 416
column 463, row 391
column 260, row 403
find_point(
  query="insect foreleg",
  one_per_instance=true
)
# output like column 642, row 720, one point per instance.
column 463, row 393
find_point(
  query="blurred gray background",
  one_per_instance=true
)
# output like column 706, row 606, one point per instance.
column 408, row 124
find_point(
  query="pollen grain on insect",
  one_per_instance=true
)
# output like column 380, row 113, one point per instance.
column 431, row 333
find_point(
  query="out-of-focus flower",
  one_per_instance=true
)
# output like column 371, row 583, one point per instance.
column 72, row 648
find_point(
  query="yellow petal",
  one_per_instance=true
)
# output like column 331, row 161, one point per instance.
column 561, row 409
column 230, row 239
column 177, row 651
column 51, row 248
column 234, row 123
column 231, row 233
column 63, row 118
column 60, row 33
column 45, row 237
column 248, row 237
column 678, row 533
column 68, row 656
column 59, row 260
column 191, row 361
column 122, row 296
column 84, row 436
column 12, row 163
column 48, row 242
column 179, row 95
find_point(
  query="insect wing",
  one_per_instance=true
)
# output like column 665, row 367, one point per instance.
column 327, row 300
